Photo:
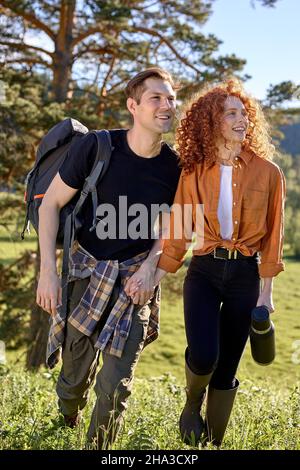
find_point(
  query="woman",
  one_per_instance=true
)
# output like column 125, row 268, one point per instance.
column 226, row 153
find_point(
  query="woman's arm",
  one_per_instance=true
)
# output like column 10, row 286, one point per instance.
column 272, row 243
column 179, row 235
column 266, row 295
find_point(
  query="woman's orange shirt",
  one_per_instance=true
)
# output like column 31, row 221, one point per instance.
column 258, row 191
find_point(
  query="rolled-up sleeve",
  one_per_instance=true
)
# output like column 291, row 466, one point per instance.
column 272, row 244
column 179, row 238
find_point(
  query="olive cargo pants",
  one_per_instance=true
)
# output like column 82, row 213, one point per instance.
column 113, row 381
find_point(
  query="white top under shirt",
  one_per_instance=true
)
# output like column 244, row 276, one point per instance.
column 225, row 203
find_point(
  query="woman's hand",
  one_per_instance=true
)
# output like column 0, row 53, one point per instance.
column 140, row 286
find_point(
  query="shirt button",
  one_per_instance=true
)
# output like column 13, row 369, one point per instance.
column 236, row 222
column 234, row 184
column 234, row 239
column 235, row 166
column 234, row 203
column 236, row 158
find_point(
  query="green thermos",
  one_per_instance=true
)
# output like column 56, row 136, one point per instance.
column 262, row 336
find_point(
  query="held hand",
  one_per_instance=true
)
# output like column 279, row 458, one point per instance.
column 266, row 299
column 140, row 286
column 49, row 292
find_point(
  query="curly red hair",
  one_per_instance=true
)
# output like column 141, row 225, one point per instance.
column 200, row 125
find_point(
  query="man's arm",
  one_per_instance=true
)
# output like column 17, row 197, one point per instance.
column 48, row 294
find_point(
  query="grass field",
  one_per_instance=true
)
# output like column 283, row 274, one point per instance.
column 263, row 417
column 266, row 415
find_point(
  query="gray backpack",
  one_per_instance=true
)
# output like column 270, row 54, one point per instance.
column 52, row 151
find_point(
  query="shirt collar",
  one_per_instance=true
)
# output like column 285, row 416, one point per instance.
column 245, row 155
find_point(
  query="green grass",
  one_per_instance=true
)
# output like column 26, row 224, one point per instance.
column 266, row 414
column 262, row 418
column 11, row 245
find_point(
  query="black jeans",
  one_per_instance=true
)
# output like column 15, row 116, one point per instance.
column 218, row 298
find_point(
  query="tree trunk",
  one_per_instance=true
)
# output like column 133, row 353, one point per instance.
column 39, row 321
column 61, row 77
column 63, row 55
column 39, row 329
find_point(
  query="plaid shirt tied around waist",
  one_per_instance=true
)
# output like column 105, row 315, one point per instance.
column 85, row 317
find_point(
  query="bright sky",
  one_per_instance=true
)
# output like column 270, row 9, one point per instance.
column 268, row 38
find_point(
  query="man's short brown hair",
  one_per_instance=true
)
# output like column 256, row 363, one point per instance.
column 136, row 86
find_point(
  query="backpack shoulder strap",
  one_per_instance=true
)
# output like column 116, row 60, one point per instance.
column 100, row 167
column 105, row 149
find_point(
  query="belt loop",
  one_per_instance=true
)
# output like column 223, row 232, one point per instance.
column 235, row 254
column 229, row 254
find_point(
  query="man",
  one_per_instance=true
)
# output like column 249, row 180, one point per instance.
column 106, row 313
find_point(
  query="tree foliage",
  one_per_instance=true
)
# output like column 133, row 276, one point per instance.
column 102, row 43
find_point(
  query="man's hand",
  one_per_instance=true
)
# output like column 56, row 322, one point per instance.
column 49, row 292
column 140, row 286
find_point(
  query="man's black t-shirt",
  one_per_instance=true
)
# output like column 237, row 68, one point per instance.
column 129, row 180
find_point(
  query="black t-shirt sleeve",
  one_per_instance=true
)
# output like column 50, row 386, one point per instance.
column 175, row 171
column 79, row 162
